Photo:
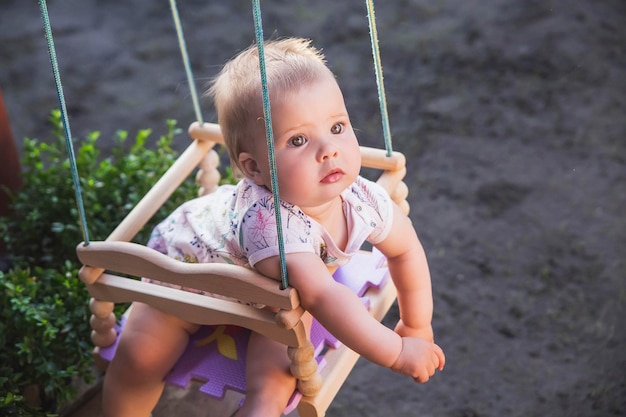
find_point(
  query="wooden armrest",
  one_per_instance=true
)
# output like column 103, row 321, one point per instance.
column 378, row 159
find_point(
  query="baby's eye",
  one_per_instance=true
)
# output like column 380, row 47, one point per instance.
column 337, row 129
column 297, row 141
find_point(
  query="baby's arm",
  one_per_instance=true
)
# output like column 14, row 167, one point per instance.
column 409, row 270
column 342, row 313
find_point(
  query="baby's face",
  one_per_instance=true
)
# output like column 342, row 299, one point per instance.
column 316, row 151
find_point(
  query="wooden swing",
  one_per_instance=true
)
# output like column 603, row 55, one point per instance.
column 111, row 267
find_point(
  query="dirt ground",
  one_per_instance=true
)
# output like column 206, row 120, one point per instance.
column 512, row 115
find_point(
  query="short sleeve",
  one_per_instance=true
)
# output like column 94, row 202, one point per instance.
column 374, row 207
column 259, row 233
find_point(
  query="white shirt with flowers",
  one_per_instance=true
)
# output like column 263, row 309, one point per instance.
column 236, row 224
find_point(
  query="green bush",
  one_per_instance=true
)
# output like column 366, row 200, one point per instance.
column 44, row 228
column 44, row 330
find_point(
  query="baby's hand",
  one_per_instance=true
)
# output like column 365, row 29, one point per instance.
column 419, row 359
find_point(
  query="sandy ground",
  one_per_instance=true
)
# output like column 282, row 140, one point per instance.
column 512, row 115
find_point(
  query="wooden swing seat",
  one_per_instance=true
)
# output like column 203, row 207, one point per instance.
column 108, row 264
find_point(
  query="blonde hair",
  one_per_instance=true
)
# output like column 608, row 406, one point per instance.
column 236, row 91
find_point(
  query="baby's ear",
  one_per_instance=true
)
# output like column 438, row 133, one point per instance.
column 250, row 168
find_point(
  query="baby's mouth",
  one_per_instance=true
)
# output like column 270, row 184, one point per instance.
column 332, row 176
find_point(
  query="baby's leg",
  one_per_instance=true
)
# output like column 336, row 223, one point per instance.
column 150, row 345
column 269, row 383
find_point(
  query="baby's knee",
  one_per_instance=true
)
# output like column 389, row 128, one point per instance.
column 264, row 403
column 138, row 357
column 269, row 394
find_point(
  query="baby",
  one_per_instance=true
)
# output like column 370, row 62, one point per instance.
column 328, row 211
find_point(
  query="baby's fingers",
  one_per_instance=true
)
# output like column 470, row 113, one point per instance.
column 425, row 375
column 441, row 357
column 437, row 362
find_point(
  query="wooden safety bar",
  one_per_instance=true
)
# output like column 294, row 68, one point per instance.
column 228, row 280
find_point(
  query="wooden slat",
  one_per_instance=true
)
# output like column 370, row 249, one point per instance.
column 192, row 307
column 225, row 279
column 161, row 191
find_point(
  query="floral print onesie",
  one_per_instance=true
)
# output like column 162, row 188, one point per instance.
column 236, row 225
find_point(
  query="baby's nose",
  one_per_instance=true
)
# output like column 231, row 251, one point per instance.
column 328, row 149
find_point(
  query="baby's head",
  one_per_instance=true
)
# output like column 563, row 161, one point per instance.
column 236, row 91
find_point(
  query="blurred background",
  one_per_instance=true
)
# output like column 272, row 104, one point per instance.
column 512, row 115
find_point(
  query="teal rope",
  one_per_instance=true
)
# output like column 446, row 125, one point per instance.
column 378, row 67
column 183, row 50
column 258, row 25
column 66, row 122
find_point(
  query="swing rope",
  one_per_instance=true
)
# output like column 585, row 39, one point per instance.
column 267, row 113
column 182, row 44
column 66, row 123
column 378, row 68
